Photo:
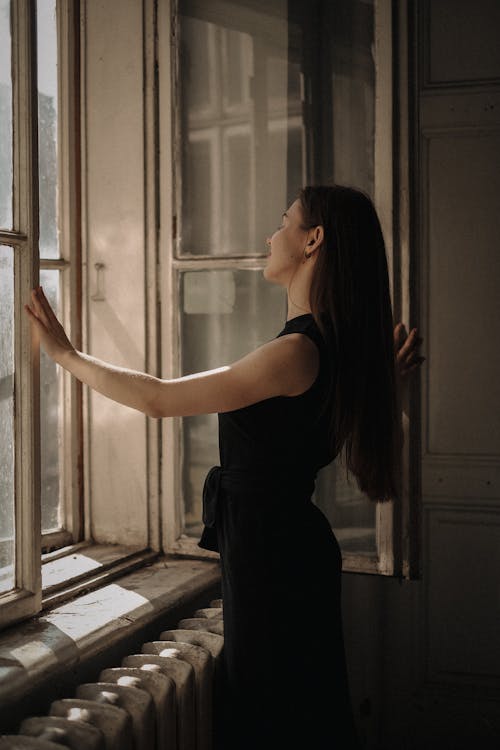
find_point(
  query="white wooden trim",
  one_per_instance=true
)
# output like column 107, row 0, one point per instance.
column 406, row 303
column 85, row 279
column 27, row 355
column 175, row 280
column 69, row 238
column 384, row 202
column 351, row 563
column 170, row 452
column 153, row 437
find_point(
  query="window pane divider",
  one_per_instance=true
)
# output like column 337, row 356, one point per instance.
column 12, row 238
column 255, row 263
column 54, row 264
column 56, row 539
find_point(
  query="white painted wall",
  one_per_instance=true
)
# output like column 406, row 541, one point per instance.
column 114, row 224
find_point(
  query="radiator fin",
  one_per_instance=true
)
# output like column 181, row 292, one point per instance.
column 160, row 699
column 201, row 661
column 22, row 742
column 64, row 732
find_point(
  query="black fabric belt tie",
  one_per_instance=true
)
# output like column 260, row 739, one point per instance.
column 245, row 480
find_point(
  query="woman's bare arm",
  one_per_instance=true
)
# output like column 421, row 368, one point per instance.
column 284, row 366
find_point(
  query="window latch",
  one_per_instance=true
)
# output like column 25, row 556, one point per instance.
column 98, row 295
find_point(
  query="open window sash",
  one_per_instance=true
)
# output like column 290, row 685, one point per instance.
column 24, row 597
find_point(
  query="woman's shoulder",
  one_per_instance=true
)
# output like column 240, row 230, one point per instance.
column 303, row 360
column 320, row 332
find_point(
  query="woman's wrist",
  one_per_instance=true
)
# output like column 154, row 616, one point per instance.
column 66, row 357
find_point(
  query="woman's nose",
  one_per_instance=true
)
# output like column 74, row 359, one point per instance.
column 268, row 241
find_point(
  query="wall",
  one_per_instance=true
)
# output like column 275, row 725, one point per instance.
column 114, row 217
column 426, row 654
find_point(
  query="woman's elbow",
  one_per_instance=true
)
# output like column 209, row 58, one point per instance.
column 154, row 415
column 157, row 410
column 162, row 399
column 154, row 408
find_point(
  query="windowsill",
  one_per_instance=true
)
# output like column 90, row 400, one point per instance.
column 35, row 652
column 79, row 568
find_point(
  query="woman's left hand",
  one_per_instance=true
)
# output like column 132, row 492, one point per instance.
column 51, row 333
column 406, row 348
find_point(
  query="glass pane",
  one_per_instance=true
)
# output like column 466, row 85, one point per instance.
column 5, row 117
column 216, row 307
column 351, row 514
column 47, row 126
column 273, row 95
column 348, row 111
column 353, row 93
column 50, row 419
column 243, row 146
column 7, row 457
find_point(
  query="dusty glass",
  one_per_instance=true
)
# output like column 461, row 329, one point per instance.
column 225, row 315
column 50, row 375
column 50, row 420
column 272, row 96
column 47, row 126
column 5, row 117
column 7, row 455
column 242, row 133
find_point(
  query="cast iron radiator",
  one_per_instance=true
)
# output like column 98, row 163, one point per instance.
column 159, row 699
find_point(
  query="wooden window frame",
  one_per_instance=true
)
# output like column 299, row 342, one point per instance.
column 397, row 524
column 69, row 267
column 93, row 564
column 25, row 598
column 33, row 549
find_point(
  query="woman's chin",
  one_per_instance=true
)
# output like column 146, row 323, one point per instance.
column 272, row 279
column 268, row 275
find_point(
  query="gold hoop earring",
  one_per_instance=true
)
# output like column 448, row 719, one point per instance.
column 306, row 254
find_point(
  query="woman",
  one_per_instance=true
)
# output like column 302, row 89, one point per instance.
column 326, row 382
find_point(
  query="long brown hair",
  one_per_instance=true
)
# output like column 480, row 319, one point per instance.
column 350, row 301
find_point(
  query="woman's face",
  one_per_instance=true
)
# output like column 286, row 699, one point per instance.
column 286, row 246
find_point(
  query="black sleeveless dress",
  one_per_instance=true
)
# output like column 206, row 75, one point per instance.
column 285, row 681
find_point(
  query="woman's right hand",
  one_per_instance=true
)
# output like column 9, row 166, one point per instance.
column 48, row 328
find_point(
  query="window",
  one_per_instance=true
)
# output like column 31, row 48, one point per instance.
column 39, row 406
column 185, row 165
column 270, row 96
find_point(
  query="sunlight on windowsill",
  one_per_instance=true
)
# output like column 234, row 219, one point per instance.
column 34, row 652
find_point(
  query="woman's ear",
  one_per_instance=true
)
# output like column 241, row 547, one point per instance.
column 317, row 238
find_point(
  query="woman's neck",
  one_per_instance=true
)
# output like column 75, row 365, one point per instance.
column 293, row 311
